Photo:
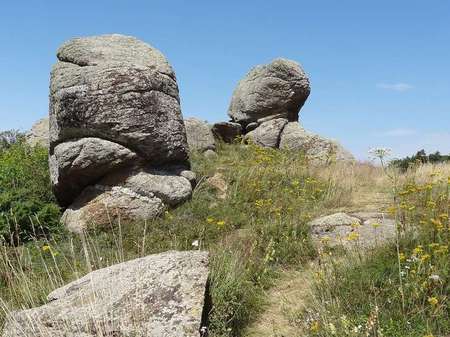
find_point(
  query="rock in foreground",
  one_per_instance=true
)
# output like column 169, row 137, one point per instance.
column 160, row 295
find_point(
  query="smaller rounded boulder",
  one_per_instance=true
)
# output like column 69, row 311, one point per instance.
column 275, row 90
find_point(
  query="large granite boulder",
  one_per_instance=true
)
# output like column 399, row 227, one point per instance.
column 275, row 90
column 39, row 133
column 317, row 149
column 199, row 135
column 120, row 89
column 161, row 295
column 115, row 111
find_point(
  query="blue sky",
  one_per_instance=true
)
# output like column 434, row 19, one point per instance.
column 379, row 70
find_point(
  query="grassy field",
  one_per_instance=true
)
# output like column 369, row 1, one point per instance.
column 258, row 238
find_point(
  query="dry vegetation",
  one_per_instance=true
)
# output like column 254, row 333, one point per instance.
column 265, row 279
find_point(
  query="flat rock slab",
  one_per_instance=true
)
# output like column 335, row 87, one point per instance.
column 366, row 229
column 160, row 295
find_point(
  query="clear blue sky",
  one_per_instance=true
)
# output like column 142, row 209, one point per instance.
column 379, row 70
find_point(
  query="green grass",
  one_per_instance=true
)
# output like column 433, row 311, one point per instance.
column 259, row 228
column 254, row 234
column 397, row 290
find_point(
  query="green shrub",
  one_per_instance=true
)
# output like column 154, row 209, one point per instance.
column 27, row 204
column 420, row 157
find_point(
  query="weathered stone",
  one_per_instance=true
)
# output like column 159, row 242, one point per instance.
column 77, row 164
column 120, row 89
column 39, row 133
column 330, row 222
column 171, row 188
column 227, row 131
column 317, row 149
column 279, row 89
column 102, row 206
column 114, row 113
column 132, row 193
column 189, row 175
column 199, row 135
column 353, row 229
column 161, row 295
column 268, row 133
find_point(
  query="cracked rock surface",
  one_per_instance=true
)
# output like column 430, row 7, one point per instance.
column 115, row 110
column 366, row 229
column 161, row 295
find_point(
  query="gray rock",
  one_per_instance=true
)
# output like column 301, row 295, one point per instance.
column 102, row 206
column 210, row 154
column 77, row 164
column 133, row 193
column 317, row 149
column 330, row 222
column 171, row 188
column 199, row 135
column 227, row 131
column 350, row 230
column 189, row 175
column 279, row 88
column 120, row 89
column 115, row 112
column 161, row 295
column 268, row 133
column 39, row 133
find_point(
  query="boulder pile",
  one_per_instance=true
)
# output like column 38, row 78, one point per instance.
column 118, row 143
column 264, row 109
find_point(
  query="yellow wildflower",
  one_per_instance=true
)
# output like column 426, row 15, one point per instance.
column 425, row 257
column 437, row 223
column 220, row 223
column 355, row 225
column 315, row 327
column 401, row 257
column 433, row 301
column 352, row 236
column 418, row 250
column 46, row 248
column 209, row 220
